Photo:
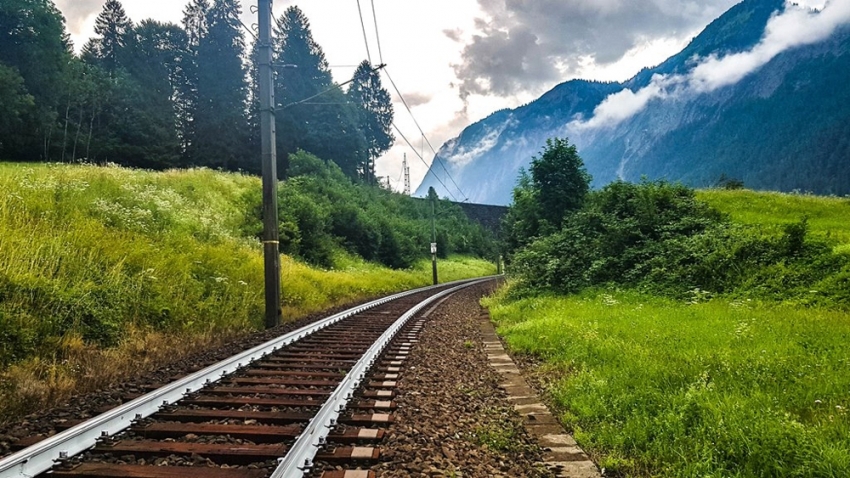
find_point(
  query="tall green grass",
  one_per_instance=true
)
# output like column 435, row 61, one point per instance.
column 827, row 216
column 93, row 250
column 656, row 387
column 97, row 255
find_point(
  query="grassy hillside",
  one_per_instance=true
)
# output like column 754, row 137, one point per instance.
column 95, row 262
column 827, row 216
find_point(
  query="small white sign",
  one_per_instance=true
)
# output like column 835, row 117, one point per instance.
column 433, row 248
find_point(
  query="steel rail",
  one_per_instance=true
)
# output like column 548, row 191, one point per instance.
column 299, row 459
column 42, row 456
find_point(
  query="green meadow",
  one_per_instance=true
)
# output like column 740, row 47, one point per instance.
column 655, row 387
column 828, row 217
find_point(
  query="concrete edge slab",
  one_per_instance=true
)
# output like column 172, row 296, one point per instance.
column 562, row 455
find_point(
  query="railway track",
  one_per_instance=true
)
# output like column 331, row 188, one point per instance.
column 314, row 402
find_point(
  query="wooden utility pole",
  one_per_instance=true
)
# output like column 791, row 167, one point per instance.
column 271, row 239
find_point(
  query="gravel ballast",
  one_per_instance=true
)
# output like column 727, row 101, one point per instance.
column 453, row 418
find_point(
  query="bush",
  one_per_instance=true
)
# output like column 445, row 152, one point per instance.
column 322, row 211
column 656, row 236
column 615, row 235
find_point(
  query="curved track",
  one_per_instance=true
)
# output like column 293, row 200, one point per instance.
column 321, row 394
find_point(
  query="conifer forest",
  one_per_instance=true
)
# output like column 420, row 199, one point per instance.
column 160, row 95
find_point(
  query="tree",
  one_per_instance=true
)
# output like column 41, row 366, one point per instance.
column 219, row 122
column 34, row 44
column 112, row 27
column 560, row 180
column 312, row 113
column 154, row 54
column 304, row 70
column 195, row 28
column 89, row 91
column 521, row 224
column 254, row 113
column 16, row 104
column 557, row 185
column 375, row 114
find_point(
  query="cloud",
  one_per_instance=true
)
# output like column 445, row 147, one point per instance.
column 417, row 99
column 526, row 45
column 463, row 156
column 796, row 26
column 455, row 35
column 627, row 103
column 78, row 11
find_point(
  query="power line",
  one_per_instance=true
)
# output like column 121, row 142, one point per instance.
column 404, row 101
column 334, row 87
column 423, row 161
column 410, row 111
column 363, row 26
column 377, row 35
column 249, row 30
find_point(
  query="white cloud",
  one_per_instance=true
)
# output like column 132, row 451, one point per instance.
column 627, row 103
column 797, row 26
column 463, row 157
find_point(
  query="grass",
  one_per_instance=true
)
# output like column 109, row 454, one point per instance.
column 827, row 216
column 656, row 387
column 112, row 268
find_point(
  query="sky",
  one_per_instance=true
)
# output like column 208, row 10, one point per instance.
column 457, row 61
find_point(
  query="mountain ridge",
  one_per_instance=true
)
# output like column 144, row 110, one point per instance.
column 694, row 139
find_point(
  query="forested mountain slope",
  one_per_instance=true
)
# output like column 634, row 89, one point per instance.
column 782, row 126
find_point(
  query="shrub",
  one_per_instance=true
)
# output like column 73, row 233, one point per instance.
column 658, row 237
column 322, row 211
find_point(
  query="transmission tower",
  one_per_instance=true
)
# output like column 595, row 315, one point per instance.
column 406, row 168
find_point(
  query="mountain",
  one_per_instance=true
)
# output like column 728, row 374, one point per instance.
column 781, row 124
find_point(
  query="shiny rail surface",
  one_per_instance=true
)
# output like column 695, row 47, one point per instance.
column 300, row 457
column 97, row 433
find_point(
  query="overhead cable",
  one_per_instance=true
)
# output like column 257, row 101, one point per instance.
column 377, row 35
column 363, row 26
column 334, row 87
column 404, row 101
column 423, row 161
column 410, row 111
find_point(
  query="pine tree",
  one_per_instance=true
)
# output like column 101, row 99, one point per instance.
column 154, row 54
column 33, row 42
column 375, row 111
column 112, row 27
column 219, row 119
column 195, row 28
column 16, row 104
column 327, row 125
column 254, row 120
column 302, row 72
column 304, row 69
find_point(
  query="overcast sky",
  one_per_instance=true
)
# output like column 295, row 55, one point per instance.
column 457, row 61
